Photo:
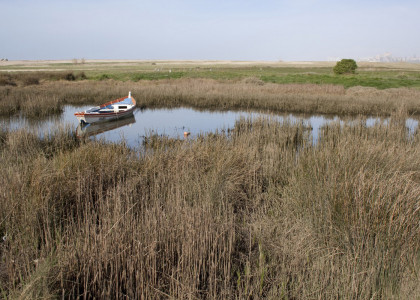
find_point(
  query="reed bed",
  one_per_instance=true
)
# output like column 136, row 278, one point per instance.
column 259, row 212
column 36, row 77
column 247, row 94
column 29, row 103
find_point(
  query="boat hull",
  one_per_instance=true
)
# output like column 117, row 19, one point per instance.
column 84, row 117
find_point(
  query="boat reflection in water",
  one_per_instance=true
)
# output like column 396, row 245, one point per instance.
column 91, row 129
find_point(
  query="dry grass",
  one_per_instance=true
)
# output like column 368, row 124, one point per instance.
column 105, row 64
column 35, row 78
column 258, row 213
column 250, row 93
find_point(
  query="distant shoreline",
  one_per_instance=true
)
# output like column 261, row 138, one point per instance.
column 89, row 64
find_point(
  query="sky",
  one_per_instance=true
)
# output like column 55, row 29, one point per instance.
column 299, row 30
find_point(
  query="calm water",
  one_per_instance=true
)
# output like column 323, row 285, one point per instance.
column 170, row 122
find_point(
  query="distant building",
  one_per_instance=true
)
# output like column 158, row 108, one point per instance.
column 387, row 57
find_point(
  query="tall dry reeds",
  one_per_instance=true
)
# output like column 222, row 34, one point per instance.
column 36, row 77
column 352, row 209
column 220, row 95
column 259, row 212
column 29, row 103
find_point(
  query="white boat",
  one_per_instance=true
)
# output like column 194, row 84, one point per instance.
column 111, row 110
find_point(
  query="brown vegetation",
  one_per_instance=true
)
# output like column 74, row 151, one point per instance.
column 250, row 94
column 34, row 78
column 257, row 213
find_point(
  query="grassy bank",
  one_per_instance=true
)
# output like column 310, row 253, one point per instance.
column 248, row 94
column 261, row 213
column 378, row 75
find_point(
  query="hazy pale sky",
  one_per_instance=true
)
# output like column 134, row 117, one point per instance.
column 226, row 29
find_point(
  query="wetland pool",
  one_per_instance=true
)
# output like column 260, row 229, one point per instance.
column 173, row 123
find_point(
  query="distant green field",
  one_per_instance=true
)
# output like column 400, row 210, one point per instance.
column 378, row 75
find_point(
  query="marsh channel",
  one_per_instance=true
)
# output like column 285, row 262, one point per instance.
column 175, row 122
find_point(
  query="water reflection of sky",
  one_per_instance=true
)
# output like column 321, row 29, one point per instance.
column 173, row 123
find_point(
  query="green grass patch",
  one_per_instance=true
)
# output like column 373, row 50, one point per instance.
column 345, row 80
column 381, row 76
column 379, row 79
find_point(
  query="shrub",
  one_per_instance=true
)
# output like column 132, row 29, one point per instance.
column 30, row 80
column 81, row 76
column 104, row 77
column 70, row 76
column 345, row 66
column 253, row 81
column 7, row 79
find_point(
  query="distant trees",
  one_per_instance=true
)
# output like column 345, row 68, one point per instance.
column 76, row 61
column 345, row 66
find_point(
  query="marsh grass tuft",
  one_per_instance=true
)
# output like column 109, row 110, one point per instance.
column 30, row 80
column 6, row 80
